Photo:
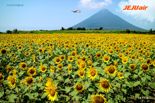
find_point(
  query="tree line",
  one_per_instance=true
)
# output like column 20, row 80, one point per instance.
column 16, row 31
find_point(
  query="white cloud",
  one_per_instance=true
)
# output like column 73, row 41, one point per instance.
column 94, row 4
column 148, row 14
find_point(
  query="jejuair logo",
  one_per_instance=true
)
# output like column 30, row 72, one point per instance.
column 135, row 7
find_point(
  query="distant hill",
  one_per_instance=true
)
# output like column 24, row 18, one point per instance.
column 106, row 20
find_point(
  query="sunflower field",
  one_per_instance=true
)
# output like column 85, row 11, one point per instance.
column 77, row 68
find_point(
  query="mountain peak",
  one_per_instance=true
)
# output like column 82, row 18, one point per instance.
column 106, row 19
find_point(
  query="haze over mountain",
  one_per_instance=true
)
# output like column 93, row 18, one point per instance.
column 107, row 20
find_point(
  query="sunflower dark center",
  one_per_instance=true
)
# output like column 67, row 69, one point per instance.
column 73, row 54
column 62, row 57
column 23, row 65
column 106, row 58
column 81, row 73
column 29, row 80
column 98, row 99
column 1, row 76
column 79, row 87
column 43, row 68
column 148, row 61
column 120, row 75
column 32, row 71
column 60, row 66
column 111, row 70
column 132, row 66
column 105, row 84
column 82, row 65
column 3, row 51
column 13, row 81
column 71, row 58
column 144, row 67
column 93, row 73
column 57, row 60
column 52, row 92
column 98, row 55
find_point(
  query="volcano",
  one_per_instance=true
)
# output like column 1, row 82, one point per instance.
column 107, row 20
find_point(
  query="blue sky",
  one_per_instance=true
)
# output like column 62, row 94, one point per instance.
column 54, row 14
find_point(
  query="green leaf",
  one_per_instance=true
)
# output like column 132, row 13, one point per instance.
column 126, row 75
column 118, row 85
column 140, row 72
column 135, row 76
column 44, row 95
column 137, row 95
column 152, row 85
column 148, row 77
column 124, row 90
column 136, row 83
column 95, row 63
column 21, row 73
column 39, row 84
column 35, row 95
column 67, row 80
column 86, row 85
column 146, row 93
column 1, row 93
column 67, row 89
column 30, row 95
column 91, row 89
column 12, row 98
column 74, row 93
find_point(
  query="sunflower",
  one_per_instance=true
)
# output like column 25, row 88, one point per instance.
column 120, row 75
column 120, row 55
column 41, row 50
column 57, row 60
column 34, row 58
column 1, row 76
column 92, row 73
column 110, row 51
column 31, row 71
column 52, row 68
column 106, row 58
column 133, row 66
column 79, row 87
column 104, row 85
column 51, row 90
column 81, row 64
column 115, row 63
column 83, row 52
column 43, row 68
column 23, row 65
column 149, row 61
column 74, row 53
column 11, row 81
column 89, row 62
column 8, row 68
column 81, row 73
column 69, row 68
column 98, row 98
column 62, row 57
column 83, row 58
column 78, row 57
column 124, row 60
column 111, row 70
column 153, row 62
column 98, row 54
column 70, row 58
column 14, row 72
column 59, row 66
column 28, row 80
column 144, row 67
column 3, row 51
